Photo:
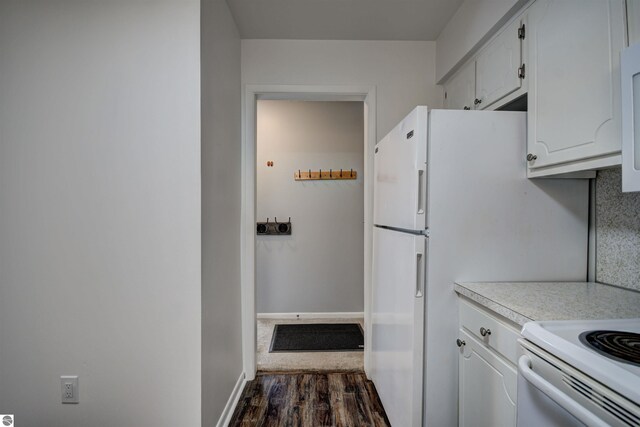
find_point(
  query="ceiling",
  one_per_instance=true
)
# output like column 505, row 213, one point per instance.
column 342, row 19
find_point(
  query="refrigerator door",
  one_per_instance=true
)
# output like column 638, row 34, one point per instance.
column 397, row 323
column 400, row 168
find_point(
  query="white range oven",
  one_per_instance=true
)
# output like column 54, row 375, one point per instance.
column 579, row 373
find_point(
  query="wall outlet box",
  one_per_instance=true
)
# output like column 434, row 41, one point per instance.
column 69, row 388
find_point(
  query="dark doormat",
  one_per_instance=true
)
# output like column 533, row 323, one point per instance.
column 317, row 337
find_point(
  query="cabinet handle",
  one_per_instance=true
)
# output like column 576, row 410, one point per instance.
column 477, row 101
column 531, row 157
column 485, row 332
column 460, row 342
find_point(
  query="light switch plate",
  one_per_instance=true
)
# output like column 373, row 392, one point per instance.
column 69, row 389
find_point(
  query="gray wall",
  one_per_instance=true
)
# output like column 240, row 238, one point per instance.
column 221, row 192
column 403, row 72
column 617, row 232
column 100, row 211
column 319, row 268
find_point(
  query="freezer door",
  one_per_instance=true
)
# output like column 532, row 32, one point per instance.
column 397, row 324
column 400, row 169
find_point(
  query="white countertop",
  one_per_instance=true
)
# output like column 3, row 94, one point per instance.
column 522, row 302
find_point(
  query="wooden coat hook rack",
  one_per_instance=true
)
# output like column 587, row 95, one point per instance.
column 309, row 175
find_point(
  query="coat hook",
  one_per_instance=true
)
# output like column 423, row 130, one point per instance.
column 330, row 173
column 299, row 174
column 351, row 173
column 340, row 173
column 320, row 177
column 289, row 220
column 275, row 219
column 309, row 174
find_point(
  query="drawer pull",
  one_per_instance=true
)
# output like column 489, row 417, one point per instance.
column 485, row 332
column 460, row 342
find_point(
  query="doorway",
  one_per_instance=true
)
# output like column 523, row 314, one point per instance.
column 271, row 301
column 310, row 234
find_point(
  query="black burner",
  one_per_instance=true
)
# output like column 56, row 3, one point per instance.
column 621, row 346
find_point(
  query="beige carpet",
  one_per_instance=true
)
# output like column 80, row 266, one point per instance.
column 334, row 360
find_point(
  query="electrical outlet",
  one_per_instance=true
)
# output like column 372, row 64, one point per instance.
column 69, row 388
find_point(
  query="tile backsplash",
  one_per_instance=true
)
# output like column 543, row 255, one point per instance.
column 617, row 232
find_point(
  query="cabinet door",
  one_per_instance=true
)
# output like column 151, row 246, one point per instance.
column 574, row 83
column 633, row 21
column 497, row 67
column 631, row 118
column 460, row 89
column 487, row 386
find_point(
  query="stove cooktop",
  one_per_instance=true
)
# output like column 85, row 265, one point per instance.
column 606, row 350
column 620, row 346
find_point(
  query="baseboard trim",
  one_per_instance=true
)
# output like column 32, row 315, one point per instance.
column 227, row 412
column 332, row 315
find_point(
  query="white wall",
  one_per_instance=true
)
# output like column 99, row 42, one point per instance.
column 472, row 25
column 221, row 194
column 319, row 267
column 100, row 211
column 403, row 72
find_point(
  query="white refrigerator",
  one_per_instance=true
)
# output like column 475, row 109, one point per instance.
column 452, row 203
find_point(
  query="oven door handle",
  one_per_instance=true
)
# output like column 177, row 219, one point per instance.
column 570, row 405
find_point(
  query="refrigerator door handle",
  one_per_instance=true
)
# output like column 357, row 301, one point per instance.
column 419, row 276
column 420, row 197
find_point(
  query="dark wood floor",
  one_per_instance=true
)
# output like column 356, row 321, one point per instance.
column 345, row 399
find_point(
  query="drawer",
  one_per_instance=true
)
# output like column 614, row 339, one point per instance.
column 500, row 336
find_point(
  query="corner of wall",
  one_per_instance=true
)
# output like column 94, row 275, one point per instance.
column 221, row 196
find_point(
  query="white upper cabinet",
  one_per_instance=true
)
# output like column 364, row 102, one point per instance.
column 493, row 77
column 633, row 21
column 574, row 85
column 631, row 102
column 631, row 118
column 499, row 70
column 461, row 88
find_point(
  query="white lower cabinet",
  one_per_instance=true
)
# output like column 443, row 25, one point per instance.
column 487, row 386
column 487, row 372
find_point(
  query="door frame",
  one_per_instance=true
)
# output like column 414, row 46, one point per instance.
column 251, row 94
